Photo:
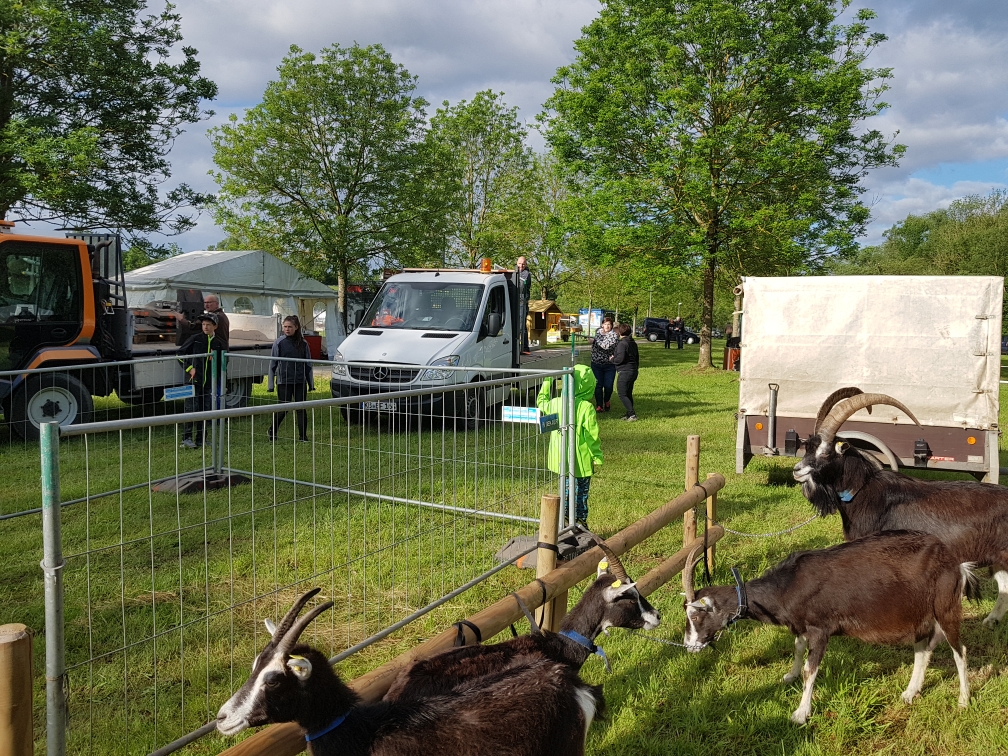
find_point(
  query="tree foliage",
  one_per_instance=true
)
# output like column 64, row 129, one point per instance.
column 93, row 94
column 489, row 157
column 724, row 134
column 335, row 170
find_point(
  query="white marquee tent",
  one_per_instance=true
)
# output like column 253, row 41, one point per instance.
column 246, row 281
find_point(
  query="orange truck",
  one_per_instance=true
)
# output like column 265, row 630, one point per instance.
column 63, row 305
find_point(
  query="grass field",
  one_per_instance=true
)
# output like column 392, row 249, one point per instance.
column 661, row 700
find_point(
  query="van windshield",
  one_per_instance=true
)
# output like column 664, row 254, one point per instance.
column 426, row 306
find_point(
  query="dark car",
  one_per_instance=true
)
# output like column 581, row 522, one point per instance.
column 1004, row 345
column 654, row 330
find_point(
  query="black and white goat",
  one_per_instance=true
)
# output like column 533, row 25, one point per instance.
column 970, row 518
column 536, row 709
column 890, row 588
column 611, row 601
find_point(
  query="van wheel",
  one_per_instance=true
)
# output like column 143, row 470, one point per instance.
column 239, row 391
column 652, row 337
column 475, row 408
column 50, row 397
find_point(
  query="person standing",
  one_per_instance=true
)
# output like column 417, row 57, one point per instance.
column 523, row 280
column 602, row 366
column 669, row 326
column 196, row 362
column 679, row 328
column 588, row 447
column 211, row 304
column 293, row 375
column 627, row 361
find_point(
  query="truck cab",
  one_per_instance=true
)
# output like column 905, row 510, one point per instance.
column 423, row 320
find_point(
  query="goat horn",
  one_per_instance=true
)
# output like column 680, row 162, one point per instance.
column 847, row 407
column 288, row 620
column 830, row 403
column 295, row 632
column 687, row 573
column 615, row 565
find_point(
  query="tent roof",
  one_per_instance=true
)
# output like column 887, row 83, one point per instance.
column 233, row 271
column 543, row 305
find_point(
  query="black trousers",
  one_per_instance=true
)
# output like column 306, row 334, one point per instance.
column 292, row 392
column 679, row 338
column 668, row 337
column 624, row 387
column 201, row 402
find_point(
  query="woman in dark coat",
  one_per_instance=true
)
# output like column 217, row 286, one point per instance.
column 627, row 361
column 294, row 378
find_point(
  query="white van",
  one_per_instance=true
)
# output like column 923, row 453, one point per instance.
column 422, row 320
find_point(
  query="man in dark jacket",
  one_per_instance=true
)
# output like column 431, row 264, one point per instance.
column 626, row 358
column 669, row 324
column 196, row 362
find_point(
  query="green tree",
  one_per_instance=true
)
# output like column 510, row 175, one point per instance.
column 487, row 145
column 92, row 97
column 334, row 170
column 727, row 132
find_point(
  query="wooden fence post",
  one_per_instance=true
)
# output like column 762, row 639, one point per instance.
column 15, row 690
column 692, row 478
column 546, row 557
column 711, row 519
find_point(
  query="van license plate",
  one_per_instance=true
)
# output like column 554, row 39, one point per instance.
column 380, row 406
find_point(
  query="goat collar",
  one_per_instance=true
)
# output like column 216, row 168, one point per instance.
column 310, row 736
column 582, row 640
column 848, row 495
column 743, row 601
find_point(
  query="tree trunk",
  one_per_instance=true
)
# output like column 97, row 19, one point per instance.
column 341, row 284
column 707, row 318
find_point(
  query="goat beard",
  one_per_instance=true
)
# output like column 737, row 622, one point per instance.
column 824, row 499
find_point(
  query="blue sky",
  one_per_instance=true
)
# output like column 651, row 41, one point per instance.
column 949, row 96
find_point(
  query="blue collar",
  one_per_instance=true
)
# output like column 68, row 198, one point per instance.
column 310, row 736
column 743, row 600
column 846, row 496
column 587, row 643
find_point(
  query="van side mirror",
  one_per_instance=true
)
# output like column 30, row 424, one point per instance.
column 495, row 324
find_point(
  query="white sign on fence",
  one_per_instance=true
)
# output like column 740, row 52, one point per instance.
column 519, row 414
column 179, row 392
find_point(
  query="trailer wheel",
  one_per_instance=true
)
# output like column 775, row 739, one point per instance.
column 47, row 397
column 239, row 391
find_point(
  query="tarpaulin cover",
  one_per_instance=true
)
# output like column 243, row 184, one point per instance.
column 933, row 342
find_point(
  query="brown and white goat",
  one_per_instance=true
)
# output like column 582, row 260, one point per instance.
column 970, row 518
column 536, row 709
column 889, row 588
column 611, row 601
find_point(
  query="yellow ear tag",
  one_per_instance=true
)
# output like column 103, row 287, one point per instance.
column 602, row 567
column 295, row 656
column 617, row 584
column 839, row 447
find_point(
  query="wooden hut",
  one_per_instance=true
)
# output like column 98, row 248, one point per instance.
column 538, row 320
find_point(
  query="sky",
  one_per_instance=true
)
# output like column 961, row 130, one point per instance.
column 948, row 101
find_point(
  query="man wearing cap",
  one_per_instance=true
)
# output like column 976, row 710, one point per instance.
column 196, row 362
column 211, row 304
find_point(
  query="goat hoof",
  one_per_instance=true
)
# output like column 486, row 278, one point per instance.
column 790, row 678
column 799, row 717
column 964, row 703
column 909, row 695
column 989, row 622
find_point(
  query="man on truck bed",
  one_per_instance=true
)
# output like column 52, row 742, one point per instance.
column 211, row 304
column 198, row 372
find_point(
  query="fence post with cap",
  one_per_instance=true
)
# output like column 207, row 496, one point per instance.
column 709, row 523
column 692, row 478
column 546, row 557
column 52, row 569
column 16, row 690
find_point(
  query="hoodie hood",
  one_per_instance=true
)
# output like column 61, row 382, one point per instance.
column 584, row 383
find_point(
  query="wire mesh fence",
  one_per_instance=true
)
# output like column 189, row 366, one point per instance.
column 174, row 552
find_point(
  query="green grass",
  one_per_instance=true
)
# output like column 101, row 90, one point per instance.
column 661, row 700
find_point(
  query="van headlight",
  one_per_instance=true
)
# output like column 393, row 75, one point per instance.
column 440, row 375
column 338, row 369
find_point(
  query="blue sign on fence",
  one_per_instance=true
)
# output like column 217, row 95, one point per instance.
column 179, row 392
column 549, row 423
column 519, row 414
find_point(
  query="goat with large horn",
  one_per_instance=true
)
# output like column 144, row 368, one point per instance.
column 534, row 708
column 611, row 601
column 970, row 518
column 889, row 588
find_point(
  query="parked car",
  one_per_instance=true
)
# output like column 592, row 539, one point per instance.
column 654, row 330
column 1004, row 345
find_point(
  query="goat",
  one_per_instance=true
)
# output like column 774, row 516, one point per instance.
column 888, row 588
column 608, row 602
column 970, row 518
column 536, row 709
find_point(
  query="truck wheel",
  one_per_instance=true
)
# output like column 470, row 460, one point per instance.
column 474, row 408
column 652, row 337
column 47, row 397
column 239, row 391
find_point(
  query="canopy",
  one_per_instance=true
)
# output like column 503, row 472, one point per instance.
column 246, row 281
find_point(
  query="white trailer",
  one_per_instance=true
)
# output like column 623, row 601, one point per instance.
column 933, row 342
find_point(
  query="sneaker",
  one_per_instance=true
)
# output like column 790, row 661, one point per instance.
column 599, row 409
column 188, row 443
column 303, row 439
column 607, row 406
column 630, row 418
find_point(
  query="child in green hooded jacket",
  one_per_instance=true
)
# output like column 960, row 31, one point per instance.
column 588, row 449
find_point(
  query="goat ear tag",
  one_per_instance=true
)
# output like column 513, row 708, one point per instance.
column 603, row 566
column 840, row 447
column 300, row 666
column 617, row 584
column 270, row 627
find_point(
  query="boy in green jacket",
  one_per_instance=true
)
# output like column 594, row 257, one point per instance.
column 588, row 449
